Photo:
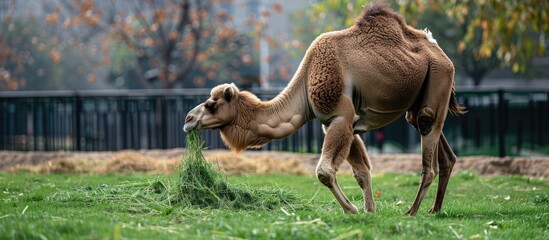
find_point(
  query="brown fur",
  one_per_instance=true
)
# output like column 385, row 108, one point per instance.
column 378, row 9
column 238, row 135
column 352, row 81
column 325, row 77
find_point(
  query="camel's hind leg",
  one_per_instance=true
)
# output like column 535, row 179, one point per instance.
column 444, row 164
column 337, row 142
column 428, row 117
column 358, row 159
column 429, row 145
column 446, row 161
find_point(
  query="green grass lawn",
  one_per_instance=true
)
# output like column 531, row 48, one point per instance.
column 142, row 207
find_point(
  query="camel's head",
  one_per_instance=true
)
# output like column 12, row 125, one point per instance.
column 216, row 112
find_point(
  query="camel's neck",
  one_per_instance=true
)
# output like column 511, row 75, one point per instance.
column 262, row 121
column 287, row 112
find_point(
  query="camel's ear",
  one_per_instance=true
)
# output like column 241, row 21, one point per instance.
column 230, row 92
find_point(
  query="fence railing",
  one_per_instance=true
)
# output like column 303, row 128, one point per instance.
column 499, row 122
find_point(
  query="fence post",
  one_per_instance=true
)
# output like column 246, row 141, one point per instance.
column 532, row 124
column 519, row 137
column 545, row 116
column 123, row 103
column 77, row 115
column 501, row 121
column 160, row 122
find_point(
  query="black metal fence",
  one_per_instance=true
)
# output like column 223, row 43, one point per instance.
column 498, row 123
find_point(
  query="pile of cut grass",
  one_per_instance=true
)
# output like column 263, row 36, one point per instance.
column 201, row 185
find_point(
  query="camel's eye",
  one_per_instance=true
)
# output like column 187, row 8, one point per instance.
column 210, row 106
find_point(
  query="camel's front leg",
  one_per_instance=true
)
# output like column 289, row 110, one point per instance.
column 335, row 149
column 358, row 158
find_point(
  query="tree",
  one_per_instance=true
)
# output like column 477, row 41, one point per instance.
column 323, row 16
column 148, row 44
column 513, row 31
column 478, row 36
column 23, row 59
column 33, row 57
column 37, row 55
column 449, row 34
column 172, row 42
column 164, row 36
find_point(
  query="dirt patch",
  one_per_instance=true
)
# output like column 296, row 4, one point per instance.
column 483, row 165
column 143, row 161
column 249, row 162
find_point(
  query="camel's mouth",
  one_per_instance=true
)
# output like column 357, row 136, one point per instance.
column 199, row 118
column 192, row 119
column 189, row 127
column 198, row 125
column 190, row 123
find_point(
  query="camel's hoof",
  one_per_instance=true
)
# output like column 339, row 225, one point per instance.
column 433, row 211
column 352, row 210
column 411, row 212
column 369, row 210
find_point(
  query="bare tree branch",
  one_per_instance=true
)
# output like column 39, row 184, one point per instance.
column 196, row 31
column 141, row 18
column 167, row 30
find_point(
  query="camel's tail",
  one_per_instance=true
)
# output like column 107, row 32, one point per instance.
column 454, row 107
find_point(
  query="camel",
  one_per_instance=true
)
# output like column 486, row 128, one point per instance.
column 353, row 81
